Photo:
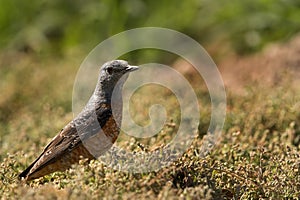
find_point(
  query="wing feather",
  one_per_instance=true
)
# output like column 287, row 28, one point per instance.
column 68, row 138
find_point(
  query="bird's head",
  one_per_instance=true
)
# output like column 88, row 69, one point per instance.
column 114, row 72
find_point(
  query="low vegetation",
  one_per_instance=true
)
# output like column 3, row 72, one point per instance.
column 256, row 157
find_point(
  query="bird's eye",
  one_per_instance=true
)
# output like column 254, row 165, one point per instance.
column 115, row 65
column 109, row 70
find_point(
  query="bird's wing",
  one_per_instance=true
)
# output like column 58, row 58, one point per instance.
column 56, row 146
column 68, row 138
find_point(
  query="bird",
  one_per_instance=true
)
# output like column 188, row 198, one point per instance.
column 93, row 131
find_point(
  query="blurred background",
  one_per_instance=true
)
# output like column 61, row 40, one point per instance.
column 255, row 44
column 42, row 44
column 60, row 27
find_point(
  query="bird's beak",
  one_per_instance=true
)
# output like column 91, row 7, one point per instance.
column 131, row 68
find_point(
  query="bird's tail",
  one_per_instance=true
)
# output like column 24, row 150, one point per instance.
column 25, row 173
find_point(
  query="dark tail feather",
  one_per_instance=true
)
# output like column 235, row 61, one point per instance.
column 25, row 173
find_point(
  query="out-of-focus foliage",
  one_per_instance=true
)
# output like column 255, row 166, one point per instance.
column 56, row 26
column 258, row 154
